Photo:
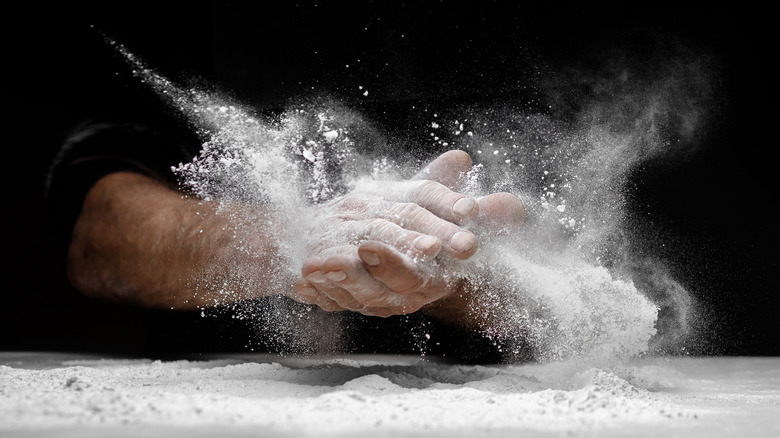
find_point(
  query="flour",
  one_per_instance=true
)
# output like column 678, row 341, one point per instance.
column 558, row 287
column 250, row 395
column 324, row 397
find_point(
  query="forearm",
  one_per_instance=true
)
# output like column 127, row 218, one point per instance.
column 136, row 240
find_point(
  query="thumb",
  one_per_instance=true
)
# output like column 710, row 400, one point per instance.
column 446, row 169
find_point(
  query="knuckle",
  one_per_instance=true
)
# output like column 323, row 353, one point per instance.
column 373, row 226
column 427, row 185
column 406, row 212
column 426, row 190
column 378, row 227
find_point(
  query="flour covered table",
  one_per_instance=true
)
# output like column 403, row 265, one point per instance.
column 51, row 394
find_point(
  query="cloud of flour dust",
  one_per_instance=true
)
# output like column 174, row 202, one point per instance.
column 566, row 286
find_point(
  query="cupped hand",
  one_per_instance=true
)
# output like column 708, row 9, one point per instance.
column 378, row 251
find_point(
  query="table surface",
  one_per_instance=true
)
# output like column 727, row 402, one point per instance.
column 66, row 394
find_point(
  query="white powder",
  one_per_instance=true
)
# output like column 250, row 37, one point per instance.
column 557, row 287
column 327, row 396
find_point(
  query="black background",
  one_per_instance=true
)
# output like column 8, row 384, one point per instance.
column 719, row 202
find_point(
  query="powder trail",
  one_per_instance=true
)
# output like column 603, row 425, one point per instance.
column 557, row 287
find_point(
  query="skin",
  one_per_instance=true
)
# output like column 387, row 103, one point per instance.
column 387, row 275
column 139, row 241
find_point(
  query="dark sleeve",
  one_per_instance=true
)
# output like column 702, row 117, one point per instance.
column 99, row 147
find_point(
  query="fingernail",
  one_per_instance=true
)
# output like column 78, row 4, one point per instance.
column 370, row 258
column 336, row 275
column 315, row 277
column 425, row 243
column 463, row 206
column 463, row 241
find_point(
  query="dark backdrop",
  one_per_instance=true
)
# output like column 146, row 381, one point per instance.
column 719, row 202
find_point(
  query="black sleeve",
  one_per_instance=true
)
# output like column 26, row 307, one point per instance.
column 100, row 146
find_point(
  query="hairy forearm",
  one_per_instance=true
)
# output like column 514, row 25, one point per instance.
column 137, row 240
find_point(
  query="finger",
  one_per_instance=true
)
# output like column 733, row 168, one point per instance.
column 501, row 213
column 438, row 199
column 343, row 299
column 324, row 280
column 303, row 290
column 398, row 272
column 342, row 282
column 420, row 246
column 412, row 230
column 310, row 295
column 448, row 169
column 455, row 241
column 350, row 274
column 435, row 197
column 327, row 284
column 345, row 283
column 311, row 265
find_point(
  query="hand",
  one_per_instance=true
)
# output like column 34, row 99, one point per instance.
column 374, row 257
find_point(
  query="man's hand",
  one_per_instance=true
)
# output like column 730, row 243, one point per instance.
column 383, row 252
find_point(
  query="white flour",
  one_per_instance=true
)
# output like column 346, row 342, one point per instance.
column 558, row 287
column 256, row 395
column 326, row 397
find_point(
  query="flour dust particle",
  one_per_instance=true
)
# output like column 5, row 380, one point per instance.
column 557, row 286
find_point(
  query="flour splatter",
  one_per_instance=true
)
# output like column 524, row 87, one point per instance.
column 557, row 287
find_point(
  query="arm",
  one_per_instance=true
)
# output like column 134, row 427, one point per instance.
column 137, row 240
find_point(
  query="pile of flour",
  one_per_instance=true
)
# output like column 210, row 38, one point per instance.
column 328, row 396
